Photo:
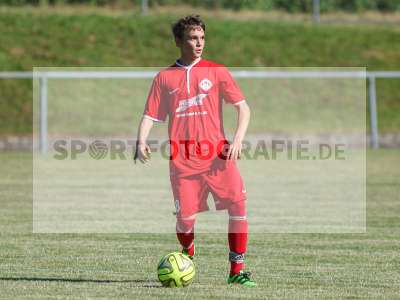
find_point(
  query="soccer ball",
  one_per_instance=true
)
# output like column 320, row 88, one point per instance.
column 175, row 270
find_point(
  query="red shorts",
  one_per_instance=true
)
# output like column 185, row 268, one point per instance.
column 191, row 192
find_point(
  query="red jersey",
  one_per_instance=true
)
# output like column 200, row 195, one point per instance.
column 192, row 97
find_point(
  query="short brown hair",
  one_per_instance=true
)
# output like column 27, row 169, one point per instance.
column 189, row 21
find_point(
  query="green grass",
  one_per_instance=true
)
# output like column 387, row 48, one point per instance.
column 286, row 266
column 28, row 40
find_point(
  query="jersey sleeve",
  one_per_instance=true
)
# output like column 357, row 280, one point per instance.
column 229, row 88
column 156, row 107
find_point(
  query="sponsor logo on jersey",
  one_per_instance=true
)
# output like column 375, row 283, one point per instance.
column 194, row 101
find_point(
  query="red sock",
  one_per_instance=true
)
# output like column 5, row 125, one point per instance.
column 187, row 241
column 237, row 236
column 185, row 234
column 237, row 246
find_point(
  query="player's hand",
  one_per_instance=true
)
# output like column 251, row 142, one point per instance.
column 234, row 151
column 142, row 152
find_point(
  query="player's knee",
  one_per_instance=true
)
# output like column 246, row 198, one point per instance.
column 185, row 224
column 237, row 211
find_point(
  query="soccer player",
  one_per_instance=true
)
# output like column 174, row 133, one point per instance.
column 191, row 93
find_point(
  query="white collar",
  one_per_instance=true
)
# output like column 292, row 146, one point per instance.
column 188, row 66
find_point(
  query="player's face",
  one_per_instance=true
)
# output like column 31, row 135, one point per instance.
column 192, row 44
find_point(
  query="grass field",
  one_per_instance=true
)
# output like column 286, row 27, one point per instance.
column 286, row 266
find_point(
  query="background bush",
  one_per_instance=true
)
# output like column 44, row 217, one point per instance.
column 286, row 5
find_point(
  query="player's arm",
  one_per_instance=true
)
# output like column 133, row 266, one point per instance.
column 142, row 148
column 243, row 119
column 155, row 111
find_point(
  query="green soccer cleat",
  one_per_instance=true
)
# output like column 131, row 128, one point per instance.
column 242, row 278
column 185, row 252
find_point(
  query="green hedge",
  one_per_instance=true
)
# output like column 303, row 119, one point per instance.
column 28, row 40
column 286, row 5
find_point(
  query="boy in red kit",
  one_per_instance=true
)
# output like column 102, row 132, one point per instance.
column 191, row 93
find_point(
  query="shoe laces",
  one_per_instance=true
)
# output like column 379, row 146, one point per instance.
column 246, row 275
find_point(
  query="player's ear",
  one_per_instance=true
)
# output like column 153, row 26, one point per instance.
column 178, row 42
